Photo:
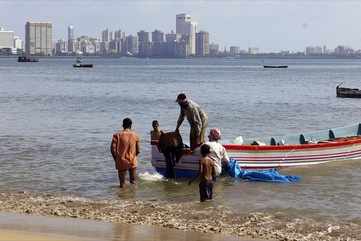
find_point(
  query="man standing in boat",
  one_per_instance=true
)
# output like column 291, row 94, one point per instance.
column 196, row 117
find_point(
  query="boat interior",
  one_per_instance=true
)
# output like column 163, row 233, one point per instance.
column 304, row 138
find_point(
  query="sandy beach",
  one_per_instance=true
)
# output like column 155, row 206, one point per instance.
column 16, row 227
column 187, row 216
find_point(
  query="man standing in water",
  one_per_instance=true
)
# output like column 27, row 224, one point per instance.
column 196, row 117
column 124, row 149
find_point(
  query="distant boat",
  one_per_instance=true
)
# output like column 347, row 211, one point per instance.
column 79, row 64
column 24, row 59
column 347, row 92
column 275, row 66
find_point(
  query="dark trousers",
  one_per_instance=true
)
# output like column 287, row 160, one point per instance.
column 121, row 175
column 205, row 190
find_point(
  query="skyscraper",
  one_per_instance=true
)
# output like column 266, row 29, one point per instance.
column 131, row 45
column 158, row 45
column 71, row 39
column 144, row 44
column 202, row 44
column 38, row 38
column 185, row 26
column 105, row 35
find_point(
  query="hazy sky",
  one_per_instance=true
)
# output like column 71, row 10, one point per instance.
column 271, row 25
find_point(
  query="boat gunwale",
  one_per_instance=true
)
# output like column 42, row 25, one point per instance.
column 338, row 142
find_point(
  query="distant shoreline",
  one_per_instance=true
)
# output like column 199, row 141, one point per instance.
column 207, row 57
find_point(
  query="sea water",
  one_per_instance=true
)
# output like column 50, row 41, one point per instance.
column 57, row 122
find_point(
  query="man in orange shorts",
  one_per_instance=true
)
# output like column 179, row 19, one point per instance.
column 125, row 149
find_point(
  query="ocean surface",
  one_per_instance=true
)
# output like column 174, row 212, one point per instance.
column 56, row 124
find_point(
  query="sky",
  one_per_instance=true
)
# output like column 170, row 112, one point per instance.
column 270, row 25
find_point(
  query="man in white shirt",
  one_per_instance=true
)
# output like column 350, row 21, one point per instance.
column 218, row 152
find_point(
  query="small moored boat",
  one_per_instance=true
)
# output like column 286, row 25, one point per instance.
column 275, row 66
column 24, row 59
column 347, row 92
column 337, row 144
column 79, row 64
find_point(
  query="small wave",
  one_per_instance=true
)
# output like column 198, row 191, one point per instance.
column 151, row 176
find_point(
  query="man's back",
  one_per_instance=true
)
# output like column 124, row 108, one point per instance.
column 218, row 154
column 207, row 169
column 125, row 148
column 194, row 113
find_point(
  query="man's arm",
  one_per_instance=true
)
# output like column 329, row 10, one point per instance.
column 137, row 147
column 113, row 147
column 180, row 119
column 225, row 158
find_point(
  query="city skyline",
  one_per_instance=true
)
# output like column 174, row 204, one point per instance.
column 270, row 25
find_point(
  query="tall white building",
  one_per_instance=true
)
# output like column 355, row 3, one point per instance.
column 71, row 39
column 38, row 38
column 18, row 43
column 6, row 39
column 185, row 26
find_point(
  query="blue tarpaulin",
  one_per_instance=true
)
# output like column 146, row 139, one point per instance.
column 269, row 175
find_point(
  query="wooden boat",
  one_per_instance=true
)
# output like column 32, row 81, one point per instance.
column 275, row 66
column 338, row 144
column 24, row 59
column 347, row 92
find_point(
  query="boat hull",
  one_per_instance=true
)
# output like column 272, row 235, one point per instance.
column 275, row 66
column 264, row 157
column 347, row 92
column 22, row 59
column 83, row 65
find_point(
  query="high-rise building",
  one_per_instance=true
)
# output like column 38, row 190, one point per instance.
column 119, row 35
column 71, row 39
column 158, row 44
column 18, row 43
column 144, row 44
column 38, row 38
column 60, row 47
column 213, row 49
column 234, row 50
column 172, row 37
column 202, row 44
column 253, row 50
column 314, row 50
column 131, row 45
column 157, row 36
column 105, row 35
column 185, row 26
column 6, row 39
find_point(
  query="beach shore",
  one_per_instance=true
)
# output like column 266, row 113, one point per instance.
column 20, row 227
column 186, row 216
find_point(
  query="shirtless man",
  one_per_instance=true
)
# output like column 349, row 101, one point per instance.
column 156, row 132
column 207, row 174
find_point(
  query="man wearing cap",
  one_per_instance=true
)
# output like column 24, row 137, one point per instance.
column 218, row 153
column 196, row 117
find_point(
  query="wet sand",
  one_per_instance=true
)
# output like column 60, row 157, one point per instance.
column 193, row 217
column 16, row 227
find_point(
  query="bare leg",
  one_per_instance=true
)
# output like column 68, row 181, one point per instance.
column 132, row 173
column 121, row 175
